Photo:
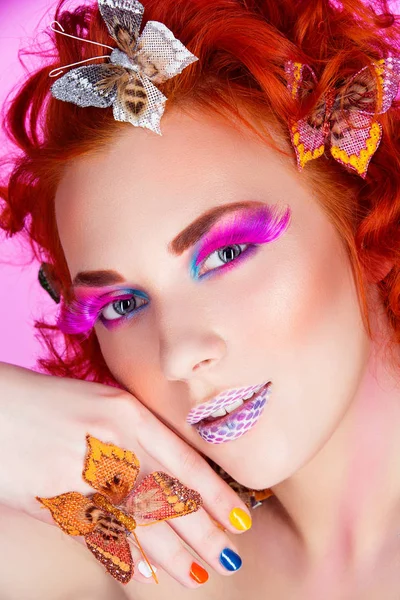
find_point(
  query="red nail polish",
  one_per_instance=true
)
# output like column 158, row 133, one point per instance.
column 197, row 573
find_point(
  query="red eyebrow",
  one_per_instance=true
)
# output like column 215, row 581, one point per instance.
column 97, row 278
column 184, row 240
column 193, row 232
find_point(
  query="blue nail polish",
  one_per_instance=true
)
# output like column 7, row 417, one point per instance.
column 230, row 560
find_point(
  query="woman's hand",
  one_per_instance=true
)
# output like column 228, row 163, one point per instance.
column 43, row 425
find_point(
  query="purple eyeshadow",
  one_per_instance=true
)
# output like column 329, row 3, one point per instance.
column 254, row 226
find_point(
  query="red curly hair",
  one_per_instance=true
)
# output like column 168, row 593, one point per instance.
column 242, row 46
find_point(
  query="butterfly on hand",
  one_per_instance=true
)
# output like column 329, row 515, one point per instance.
column 108, row 517
column 344, row 118
column 127, row 82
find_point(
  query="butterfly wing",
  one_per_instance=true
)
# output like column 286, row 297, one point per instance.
column 355, row 140
column 389, row 71
column 105, row 537
column 160, row 55
column 372, row 91
column 139, row 102
column 159, row 497
column 307, row 135
column 109, row 544
column 110, row 470
column 72, row 512
column 94, row 85
column 355, row 133
column 123, row 19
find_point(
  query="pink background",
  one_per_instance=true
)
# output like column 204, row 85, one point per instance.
column 21, row 297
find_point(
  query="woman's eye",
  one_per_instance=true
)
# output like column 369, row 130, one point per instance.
column 221, row 257
column 122, row 308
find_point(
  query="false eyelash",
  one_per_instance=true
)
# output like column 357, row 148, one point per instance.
column 81, row 314
column 257, row 226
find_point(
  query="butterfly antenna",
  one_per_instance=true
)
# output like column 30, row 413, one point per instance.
column 75, row 37
column 145, row 557
column 59, row 70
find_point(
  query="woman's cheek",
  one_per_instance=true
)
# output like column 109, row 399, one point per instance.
column 119, row 352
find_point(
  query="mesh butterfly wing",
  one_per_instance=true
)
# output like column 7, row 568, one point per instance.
column 123, row 19
column 111, row 548
column 355, row 133
column 307, row 135
column 160, row 55
column 93, row 85
column 110, row 470
column 160, row 497
column 139, row 102
column 105, row 537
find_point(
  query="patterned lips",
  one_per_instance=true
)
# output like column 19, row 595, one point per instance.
column 235, row 424
column 220, row 401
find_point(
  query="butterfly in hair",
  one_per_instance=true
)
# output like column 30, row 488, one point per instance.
column 110, row 515
column 344, row 119
column 139, row 63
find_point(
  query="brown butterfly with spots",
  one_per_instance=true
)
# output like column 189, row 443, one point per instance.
column 139, row 62
column 108, row 517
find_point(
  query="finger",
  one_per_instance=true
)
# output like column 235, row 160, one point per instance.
column 208, row 541
column 164, row 548
column 180, row 460
column 142, row 572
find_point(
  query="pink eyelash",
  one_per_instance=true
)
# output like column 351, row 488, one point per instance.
column 257, row 226
column 81, row 314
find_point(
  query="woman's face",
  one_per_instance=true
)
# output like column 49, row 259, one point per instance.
column 285, row 311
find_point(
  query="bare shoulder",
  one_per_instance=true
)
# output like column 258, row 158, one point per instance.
column 42, row 563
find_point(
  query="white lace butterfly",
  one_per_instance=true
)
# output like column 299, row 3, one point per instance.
column 127, row 82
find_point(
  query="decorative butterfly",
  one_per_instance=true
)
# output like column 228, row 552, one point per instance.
column 108, row 517
column 127, row 81
column 344, row 118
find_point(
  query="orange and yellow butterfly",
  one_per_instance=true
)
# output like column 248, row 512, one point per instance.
column 108, row 517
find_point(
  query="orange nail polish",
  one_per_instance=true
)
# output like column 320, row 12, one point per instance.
column 197, row 573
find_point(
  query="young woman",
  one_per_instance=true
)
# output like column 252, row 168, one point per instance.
column 229, row 291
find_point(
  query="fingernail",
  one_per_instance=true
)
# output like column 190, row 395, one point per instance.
column 144, row 569
column 197, row 573
column 240, row 519
column 230, row 560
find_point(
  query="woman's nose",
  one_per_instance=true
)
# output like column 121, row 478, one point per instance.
column 188, row 346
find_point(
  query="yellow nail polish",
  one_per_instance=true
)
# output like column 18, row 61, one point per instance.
column 240, row 519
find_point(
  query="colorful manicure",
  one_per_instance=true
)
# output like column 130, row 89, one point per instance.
column 240, row 519
column 230, row 560
column 197, row 573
